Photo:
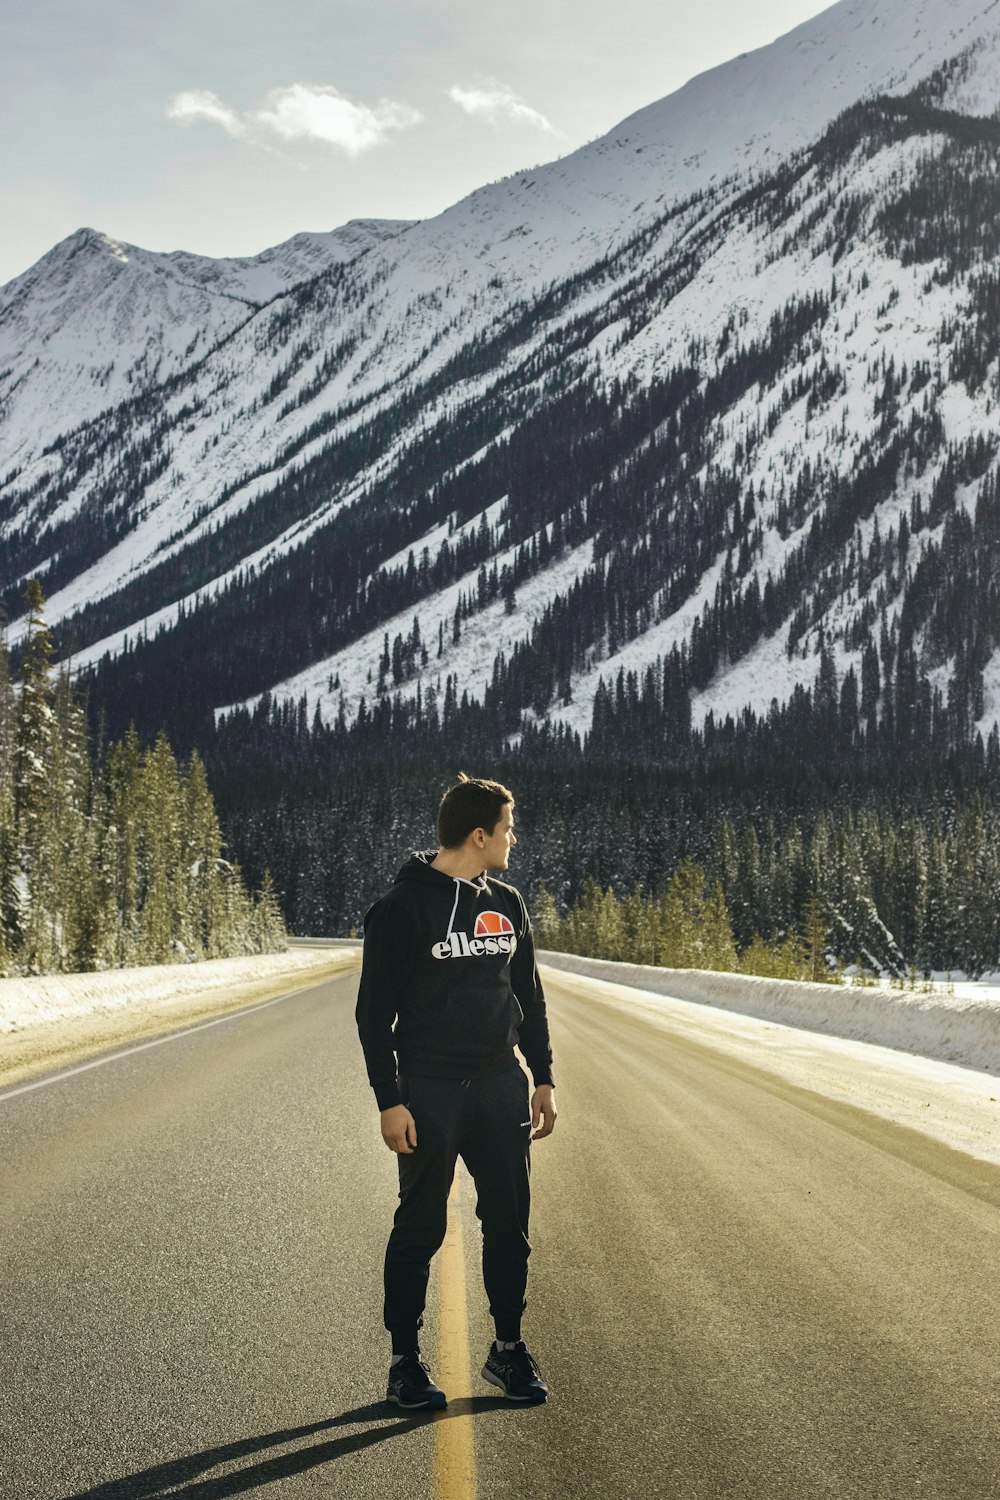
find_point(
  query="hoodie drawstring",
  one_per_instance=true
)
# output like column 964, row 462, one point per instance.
column 451, row 919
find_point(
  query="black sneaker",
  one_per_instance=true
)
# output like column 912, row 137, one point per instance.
column 516, row 1373
column 410, row 1384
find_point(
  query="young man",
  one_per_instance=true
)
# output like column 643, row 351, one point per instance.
column 448, row 958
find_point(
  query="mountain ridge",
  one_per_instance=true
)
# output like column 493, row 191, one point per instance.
column 91, row 296
column 393, row 399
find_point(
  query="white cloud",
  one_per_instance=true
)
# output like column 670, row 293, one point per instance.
column 302, row 112
column 199, row 104
column 496, row 102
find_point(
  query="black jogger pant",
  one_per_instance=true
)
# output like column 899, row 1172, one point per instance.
column 487, row 1122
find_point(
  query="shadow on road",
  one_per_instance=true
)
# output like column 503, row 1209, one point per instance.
column 163, row 1479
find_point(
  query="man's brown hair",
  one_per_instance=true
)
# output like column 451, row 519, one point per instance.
column 471, row 803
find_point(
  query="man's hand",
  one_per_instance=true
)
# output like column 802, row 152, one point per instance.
column 399, row 1130
column 543, row 1109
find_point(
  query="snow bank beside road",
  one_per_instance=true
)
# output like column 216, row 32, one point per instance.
column 54, row 1021
column 53, row 997
column 954, row 1105
column 959, row 1028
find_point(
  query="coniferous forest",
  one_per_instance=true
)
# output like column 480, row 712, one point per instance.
column 887, row 831
column 110, row 857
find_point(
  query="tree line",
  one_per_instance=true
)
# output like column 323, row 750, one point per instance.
column 902, row 852
column 114, row 859
column 687, row 926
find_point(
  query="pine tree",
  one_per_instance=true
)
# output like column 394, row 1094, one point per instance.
column 814, row 941
column 642, row 928
column 718, row 943
column 781, row 958
column 159, row 816
column 268, row 926
column 10, row 898
column 80, row 899
column 202, row 853
column 682, row 918
column 122, row 844
column 119, row 869
column 32, row 791
column 547, row 928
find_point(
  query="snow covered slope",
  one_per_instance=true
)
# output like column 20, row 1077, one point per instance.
column 680, row 389
column 96, row 321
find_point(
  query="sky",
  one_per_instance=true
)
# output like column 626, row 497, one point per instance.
column 226, row 126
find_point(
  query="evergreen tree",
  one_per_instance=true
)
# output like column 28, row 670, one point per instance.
column 122, row 845
column 33, row 754
column 121, row 868
column 202, row 855
column 814, row 941
column 682, row 918
column 268, row 927
column 10, row 897
column 718, row 943
column 547, row 927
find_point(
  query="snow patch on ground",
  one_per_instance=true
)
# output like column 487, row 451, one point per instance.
column 991, row 695
column 53, row 997
column 892, row 1054
column 486, row 632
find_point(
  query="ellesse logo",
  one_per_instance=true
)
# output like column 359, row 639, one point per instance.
column 492, row 923
column 493, row 933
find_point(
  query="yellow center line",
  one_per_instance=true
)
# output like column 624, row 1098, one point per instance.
column 454, row 1449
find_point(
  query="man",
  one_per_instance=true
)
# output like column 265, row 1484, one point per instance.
column 448, row 958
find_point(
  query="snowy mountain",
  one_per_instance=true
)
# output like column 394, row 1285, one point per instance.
column 714, row 396
column 96, row 321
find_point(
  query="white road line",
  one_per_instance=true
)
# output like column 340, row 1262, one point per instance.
column 157, row 1041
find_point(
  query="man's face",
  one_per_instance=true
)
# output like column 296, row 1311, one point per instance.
column 496, row 849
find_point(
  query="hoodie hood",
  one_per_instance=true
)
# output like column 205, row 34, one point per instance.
column 419, row 867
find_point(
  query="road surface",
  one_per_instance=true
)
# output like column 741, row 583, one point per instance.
column 740, row 1290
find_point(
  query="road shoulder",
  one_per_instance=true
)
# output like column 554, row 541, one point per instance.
column 958, row 1106
column 63, row 1041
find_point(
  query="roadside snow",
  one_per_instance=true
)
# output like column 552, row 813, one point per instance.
column 55, row 997
column 928, row 1062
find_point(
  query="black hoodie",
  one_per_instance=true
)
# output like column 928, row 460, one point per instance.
column 452, row 963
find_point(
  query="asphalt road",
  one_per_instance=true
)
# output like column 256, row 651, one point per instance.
column 739, row 1289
